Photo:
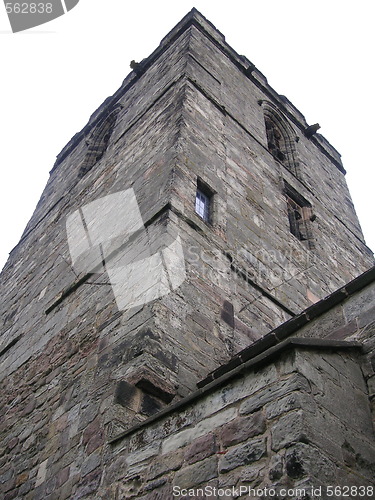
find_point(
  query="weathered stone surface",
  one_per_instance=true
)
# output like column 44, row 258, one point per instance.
column 292, row 401
column 295, row 382
column 196, row 474
column 290, row 428
column 276, row 468
column 42, row 471
column 75, row 371
column 171, row 461
column 243, row 455
column 203, row 427
column 158, row 494
column 91, row 463
column 139, row 456
column 87, row 486
column 241, row 429
column 200, row 449
column 303, row 460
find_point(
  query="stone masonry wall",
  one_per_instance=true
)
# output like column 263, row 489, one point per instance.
column 284, row 425
column 304, row 418
column 74, row 370
column 353, row 319
column 298, row 418
column 59, row 369
column 229, row 152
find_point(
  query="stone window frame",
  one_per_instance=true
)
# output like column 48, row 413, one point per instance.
column 98, row 142
column 280, row 138
column 202, row 205
column 300, row 216
column 204, row 201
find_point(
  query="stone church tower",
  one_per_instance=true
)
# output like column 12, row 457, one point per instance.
column 196, row 233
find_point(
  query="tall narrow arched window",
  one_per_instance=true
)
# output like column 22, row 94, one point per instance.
column 281, row 140
column 274, row 140
column 98, row 142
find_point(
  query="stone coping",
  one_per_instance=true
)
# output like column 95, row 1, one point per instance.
column 262, row 359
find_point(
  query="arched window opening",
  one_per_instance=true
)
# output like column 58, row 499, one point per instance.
column 281, row 140
column 98, row 143
column 274, row 140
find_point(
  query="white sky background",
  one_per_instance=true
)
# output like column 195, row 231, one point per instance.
column 319, row 54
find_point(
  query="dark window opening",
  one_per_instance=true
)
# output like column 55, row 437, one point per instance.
column 296, row 219
column 274, row 140
column 98, row 143
column 300, row 215
column 203, row 201
column 281, row 138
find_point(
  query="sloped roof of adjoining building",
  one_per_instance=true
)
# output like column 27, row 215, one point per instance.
column 276, row 339
column 281, row 339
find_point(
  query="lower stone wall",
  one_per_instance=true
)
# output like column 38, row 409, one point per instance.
column 298, row 419
column 353, row 319
column 297, row 423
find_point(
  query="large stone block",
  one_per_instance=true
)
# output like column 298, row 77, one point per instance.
column 289, row 429
column 203, row 427
column 200, row 449
column 270, row 392
column 245, row 454
column 241, row 429
column 169, row 462
column 196, row 474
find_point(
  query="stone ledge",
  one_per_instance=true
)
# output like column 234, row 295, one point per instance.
column 261, row 360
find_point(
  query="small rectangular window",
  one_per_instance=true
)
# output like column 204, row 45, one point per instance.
column 204, row 201
column 296, row 219
column 202, row 205
column 300, row 215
